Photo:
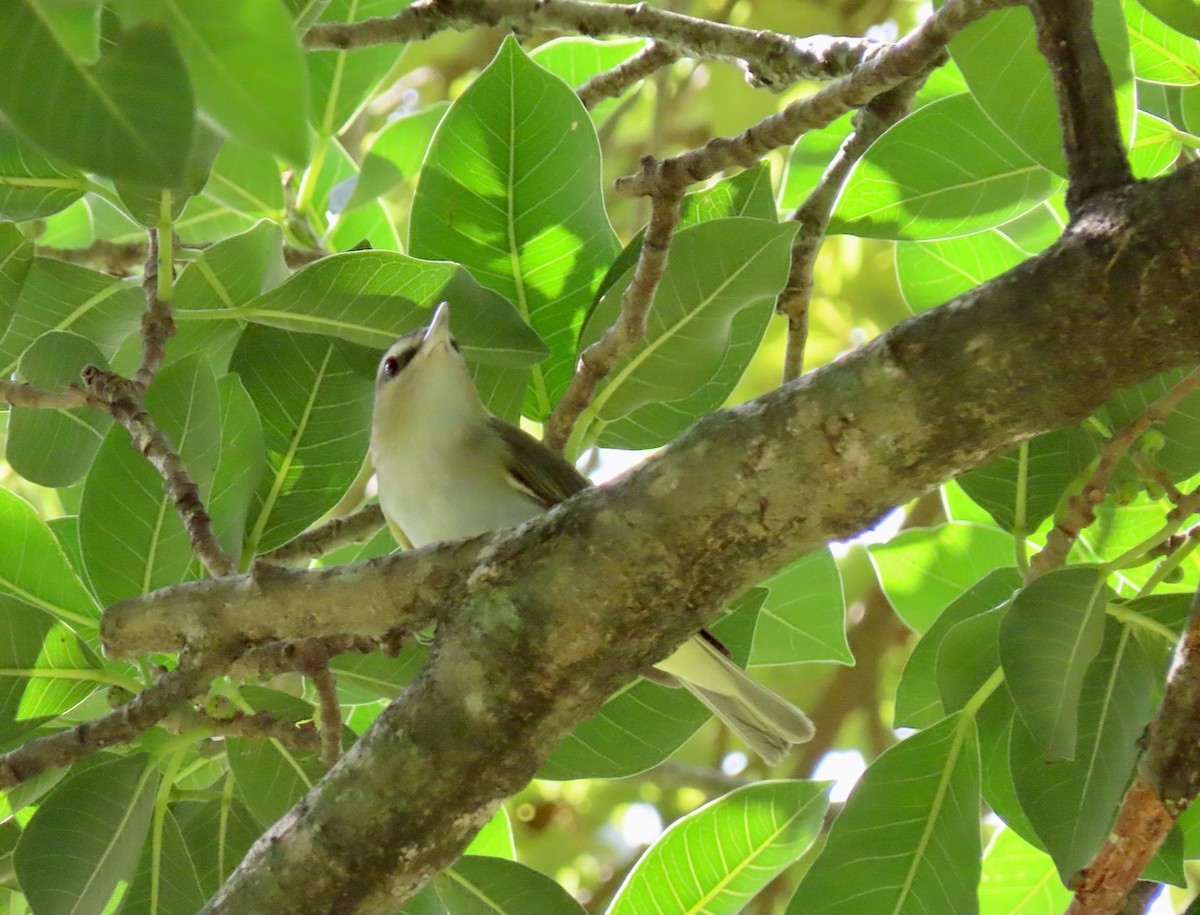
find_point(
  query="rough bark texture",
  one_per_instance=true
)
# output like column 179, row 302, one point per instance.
column 541, row 625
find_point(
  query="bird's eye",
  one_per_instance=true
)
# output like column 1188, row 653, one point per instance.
column 391, row 367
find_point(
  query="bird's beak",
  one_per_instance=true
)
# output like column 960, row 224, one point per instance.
column 439, row 328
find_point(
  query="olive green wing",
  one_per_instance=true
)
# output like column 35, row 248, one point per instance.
column 548, row 477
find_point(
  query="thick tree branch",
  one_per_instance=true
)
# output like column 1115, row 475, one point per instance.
column 772, row 59
column 539, row 626
column 1087, row 110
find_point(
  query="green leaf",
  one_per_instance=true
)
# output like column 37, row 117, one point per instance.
column 995, row 722
column 23, row 632
column 575, row 58
column 910, row 829
column 1160, row 54
column 1019, row 879
column 167, row 880
column 969, row 655
column 56, row 447
column 1029, row 489
column 1072, row 803
column 924, row 569
column 86, row 836
column 132, row 537
column 32, row 185
column 365, row 678
column 944, row 170
column 804, row 615
column 645, row 723
column 1181, row 15
column 61, row 681
column 748, row 837
column 144, row 202
column 1155, row 148
column 316, row 416
column 717, row 271
column 495, row 839
column 394, row 155
column 933, row 272
column 243, row 187
column 1047, row 641
column 373, row 297
column 16, row 257
column 271, row 777
column 1000, row 52
column 479, row 884
column 1180, row 452
column 130, row 115
column 61, row 296
column 34, row 569
column 918, row 697
column 490, row 198
column 241, row 465
column 342, row 82
column 225, row 44
column 808, row 159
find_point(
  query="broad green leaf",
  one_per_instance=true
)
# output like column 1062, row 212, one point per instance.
column 86, row 836
column 1179, row 454
column 645, row 723
column 145, row 202
column 60, row 677
column 32, row 185
column 999, row 52
column 576, row 58
column 207, row 841
column 16, row 257
column 1160, row 54
column 933, row 272
column 132, row 537
column 167, row 880
column 315, row 408
column 995, row 722
column 23, row 631
column 924, row 569
column 808, row 159
column 804, row 615
column 943, row 82
column 718, row 269
column 1019, row 879
column 944, row 170
column 482, row 884
column 225, row 44
column 56, row 447
column 1073, row 803
column 717, row 858
column 495, row 839
column 1021, row 488
column 910, row 830
column 918, row 697
column 342, row 82
column 1155, row 147
column 968, row 656
column 363, row 678
column 243, row 187
column 1047, row 641
column 1181, row 15
column 373, row 297
column 34, row 569
column 240, row 465
column 271, row 777
column 61, row 296
column 1119, row 529
column 346, row 229
column 490, row 197
column 395, row 154
column 130, row 115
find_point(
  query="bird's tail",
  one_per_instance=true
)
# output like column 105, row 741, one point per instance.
column 768, row 723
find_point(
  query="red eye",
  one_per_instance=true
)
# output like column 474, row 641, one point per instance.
column 391, row 366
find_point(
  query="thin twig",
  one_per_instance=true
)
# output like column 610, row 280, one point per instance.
column 1081, row 508
column 330, row 715
column 157, row 324
column 314, row 544
column 884, row 69
column 118, row 258
column 1087, row 108
column 124, row 400
column 771, row 59
column 296, row 735
column 813, row 215
column 20, row 394
column 190, row 677
column 612, row 83
column 630, row 327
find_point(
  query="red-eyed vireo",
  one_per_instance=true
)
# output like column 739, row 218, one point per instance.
column 447, row 469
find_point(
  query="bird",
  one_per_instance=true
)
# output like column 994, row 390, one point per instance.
column 447, row 469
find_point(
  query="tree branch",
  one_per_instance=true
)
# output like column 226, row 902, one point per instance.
column 314, row 544
column 158, row 326
column 20, row 394
column 771, row 59
column 538, row 627
column 1087, row 110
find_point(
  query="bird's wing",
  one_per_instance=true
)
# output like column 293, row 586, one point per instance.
column 548, row 477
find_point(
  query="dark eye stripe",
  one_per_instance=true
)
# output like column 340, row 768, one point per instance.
column 394, row 365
